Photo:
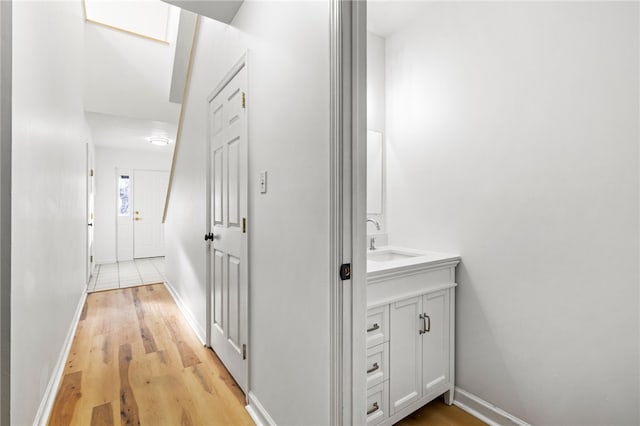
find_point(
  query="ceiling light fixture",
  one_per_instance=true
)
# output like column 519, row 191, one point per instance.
column 159, row 140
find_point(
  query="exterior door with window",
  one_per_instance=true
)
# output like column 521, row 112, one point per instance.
column 149, row 192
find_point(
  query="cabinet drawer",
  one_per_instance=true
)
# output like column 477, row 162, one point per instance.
column 377, row 400
column 377, row 325
column 377, row 364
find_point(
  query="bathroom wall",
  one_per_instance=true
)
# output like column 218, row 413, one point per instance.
column 288, row 227
column 376, row 106
column 107, row 161
column 513, row 140
column 49, row 224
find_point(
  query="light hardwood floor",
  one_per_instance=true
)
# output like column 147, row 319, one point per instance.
column 437, row 413
column 134, row 360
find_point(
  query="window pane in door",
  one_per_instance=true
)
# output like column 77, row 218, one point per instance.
column 123, row 195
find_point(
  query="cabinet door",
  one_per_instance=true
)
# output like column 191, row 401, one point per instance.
column 405, row 355
column 435, row 342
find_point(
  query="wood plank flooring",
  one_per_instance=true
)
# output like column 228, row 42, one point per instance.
column 135, row 361
column 437, row 413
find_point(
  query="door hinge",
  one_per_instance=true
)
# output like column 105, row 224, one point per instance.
column 345, row 271
column 244, row 351
column 244, row 103
column 244, row 225
column 91, row 259
column 91, row 172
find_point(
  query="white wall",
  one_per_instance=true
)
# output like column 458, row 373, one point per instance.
column 108, row 160
column 127, row 75
column 49, row 190
column 288, row 102
column 376, row 103
column 5, row 208
column 513, row 140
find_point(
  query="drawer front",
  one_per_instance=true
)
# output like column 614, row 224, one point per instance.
column 377, row 364
column 377, row 325
column 377, row 400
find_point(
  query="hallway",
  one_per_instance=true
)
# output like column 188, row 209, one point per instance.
column 134, row 360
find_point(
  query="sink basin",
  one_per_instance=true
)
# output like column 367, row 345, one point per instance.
column 389, row 255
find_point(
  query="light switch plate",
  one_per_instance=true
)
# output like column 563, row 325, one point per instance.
column 263, row 182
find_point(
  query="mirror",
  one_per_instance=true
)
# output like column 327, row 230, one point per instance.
column 374, row 172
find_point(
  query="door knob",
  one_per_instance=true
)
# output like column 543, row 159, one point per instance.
column 210, row 236
column 137, row 218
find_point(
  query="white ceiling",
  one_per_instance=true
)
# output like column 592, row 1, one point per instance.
column 387, row 17
column 128, row 77
column 129, row 133
column 149, row 18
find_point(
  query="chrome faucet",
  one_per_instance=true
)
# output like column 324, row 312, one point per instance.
column 375, row 222
column 372, row 241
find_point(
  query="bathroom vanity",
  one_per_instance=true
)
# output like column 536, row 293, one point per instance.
column 410, row 331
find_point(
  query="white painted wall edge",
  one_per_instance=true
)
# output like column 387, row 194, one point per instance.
column 44, row 410
column 258, row 413
column 186, row 312
column 483, row 410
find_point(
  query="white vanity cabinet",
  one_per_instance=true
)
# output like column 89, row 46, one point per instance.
column 420, row 349
column 410, row 338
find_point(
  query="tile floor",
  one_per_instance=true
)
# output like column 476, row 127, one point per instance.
column 131, row 273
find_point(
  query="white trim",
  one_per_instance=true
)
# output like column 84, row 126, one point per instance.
column 97, row 262
column 339, row 402
column 408, row 270
column 49, row 397
column 235, row 69
column 257, row 411
column 186, row 312
column 485, row 411
column 348, row 211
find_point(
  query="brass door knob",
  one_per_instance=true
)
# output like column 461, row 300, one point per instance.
column 137, row 218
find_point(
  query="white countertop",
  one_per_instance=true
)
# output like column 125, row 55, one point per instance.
column 407, row 259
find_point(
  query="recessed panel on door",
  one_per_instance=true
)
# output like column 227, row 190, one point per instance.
column 435, row 344
column 233, row 182
column 217, row 185
column 405, row 353
column 233, row 310
column 218, row 259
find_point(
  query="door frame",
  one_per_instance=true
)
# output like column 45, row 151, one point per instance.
column 90, row 207
column 348, row 61
column 239, row 65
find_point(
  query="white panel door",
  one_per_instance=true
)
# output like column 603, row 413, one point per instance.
column 149, row 192
column 405, row 353
column 228, row 251
column 435, row 342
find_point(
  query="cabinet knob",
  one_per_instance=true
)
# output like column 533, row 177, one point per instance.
column 373, row 368
column 374, row 327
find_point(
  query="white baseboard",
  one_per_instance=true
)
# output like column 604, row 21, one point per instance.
column 485, row 411
column 103, row 261
column 186, row 311
column 49, row 397
column 257, row 412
